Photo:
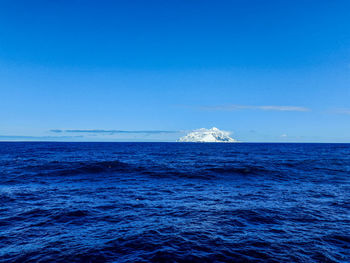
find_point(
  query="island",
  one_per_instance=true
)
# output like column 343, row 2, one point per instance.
column 207, row 135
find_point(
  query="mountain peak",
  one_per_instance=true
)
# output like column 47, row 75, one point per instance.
column 207, row 135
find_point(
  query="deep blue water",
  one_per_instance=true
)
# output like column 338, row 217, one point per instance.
column 174, row 202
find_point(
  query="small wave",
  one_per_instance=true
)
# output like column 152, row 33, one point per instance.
column 36, row 212
column 175, row 173
column 339, row 239
column 246, row 170
column 65, row 216
column 258, row 216
column 74, row 168
column 6, row 198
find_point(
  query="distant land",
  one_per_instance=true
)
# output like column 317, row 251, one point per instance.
column 207, row 135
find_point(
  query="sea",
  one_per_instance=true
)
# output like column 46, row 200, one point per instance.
column 174, row 202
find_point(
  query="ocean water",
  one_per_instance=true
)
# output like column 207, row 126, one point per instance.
column 174, row 202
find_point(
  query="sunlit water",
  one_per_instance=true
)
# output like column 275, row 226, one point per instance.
column 174, row 202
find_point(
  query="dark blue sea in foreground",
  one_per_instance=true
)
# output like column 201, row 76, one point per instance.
column 174, row 202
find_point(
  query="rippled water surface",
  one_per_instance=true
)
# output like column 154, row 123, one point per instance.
column 174, row 202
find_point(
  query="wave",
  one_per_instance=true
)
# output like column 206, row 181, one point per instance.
column 56, row 168
column 242, row 170
column 75, row 168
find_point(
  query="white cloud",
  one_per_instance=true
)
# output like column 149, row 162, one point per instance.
column 97, row 131
column 342, row 111
column 250, row 107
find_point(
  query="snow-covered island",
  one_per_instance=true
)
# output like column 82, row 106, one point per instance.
column 207, row 135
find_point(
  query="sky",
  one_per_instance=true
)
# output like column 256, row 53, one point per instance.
column 267, row 71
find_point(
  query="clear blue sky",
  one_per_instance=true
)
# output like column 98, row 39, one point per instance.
column 265, row 70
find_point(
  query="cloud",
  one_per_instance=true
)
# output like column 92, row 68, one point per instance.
column 24, row 137
column 58, row 131
column 249, row 107
column 95, row 131
column 284, row 135
column 342, row 111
